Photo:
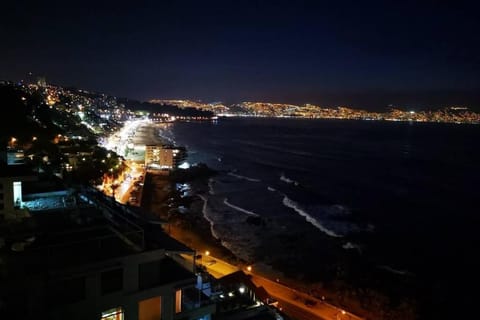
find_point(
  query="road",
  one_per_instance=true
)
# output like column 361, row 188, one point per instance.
column 292, row 302
column 135, row 135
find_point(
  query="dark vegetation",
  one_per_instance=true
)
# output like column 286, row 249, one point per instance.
column 164, row 108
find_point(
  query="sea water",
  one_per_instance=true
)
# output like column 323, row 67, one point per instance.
column 403, row 196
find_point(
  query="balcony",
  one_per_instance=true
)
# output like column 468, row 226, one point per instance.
column 195, row 304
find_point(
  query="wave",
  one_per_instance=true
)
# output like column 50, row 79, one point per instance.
column 243, row 177
column 280, row 149
column 271, row 189
column 293, row 205
column 395, row 271
column 279, row 166
column 166, row 134
column 210, row 186
column 288, row 180
column 349, row 246
column 239, row 209
column 204, row 212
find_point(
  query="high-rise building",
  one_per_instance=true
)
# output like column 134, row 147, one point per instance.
column 163, row 157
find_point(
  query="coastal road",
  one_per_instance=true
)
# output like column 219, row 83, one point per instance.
column 300, row 305
column 296, row 304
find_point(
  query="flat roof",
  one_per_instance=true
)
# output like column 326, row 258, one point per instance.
column 62, row 240
column 60, row 251
column 18, row 170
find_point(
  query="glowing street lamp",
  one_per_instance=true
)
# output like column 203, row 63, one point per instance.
column 249, row 268
column 207, row 253
column 13, row 140
column 342, row 315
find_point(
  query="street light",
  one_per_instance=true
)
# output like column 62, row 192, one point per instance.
column 249, row 268
column 342, row 315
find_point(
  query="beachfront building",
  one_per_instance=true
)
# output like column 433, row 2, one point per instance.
column 163, row 157
column 81, row 264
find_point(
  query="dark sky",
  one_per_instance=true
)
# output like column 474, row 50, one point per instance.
column 362, row 53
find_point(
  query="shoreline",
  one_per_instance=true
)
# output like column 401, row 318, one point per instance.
column 190, row 227
column 308, row 263
column 193, row 229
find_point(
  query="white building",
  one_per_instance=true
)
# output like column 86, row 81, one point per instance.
column 161, row 157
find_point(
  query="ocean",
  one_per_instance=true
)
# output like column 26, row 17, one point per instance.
column 393, row 197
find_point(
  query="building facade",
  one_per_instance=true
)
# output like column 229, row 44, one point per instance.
column 163, row 157
column 91, row 268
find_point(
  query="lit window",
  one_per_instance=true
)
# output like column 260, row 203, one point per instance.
column 113, row 314
column 178, row 301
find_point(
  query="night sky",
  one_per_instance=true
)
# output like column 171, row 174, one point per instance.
column 362, row 53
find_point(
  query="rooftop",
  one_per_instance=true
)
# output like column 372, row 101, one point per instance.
column 15, row 170
column 62, row 240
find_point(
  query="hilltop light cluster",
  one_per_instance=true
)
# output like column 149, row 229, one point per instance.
column 449, row 114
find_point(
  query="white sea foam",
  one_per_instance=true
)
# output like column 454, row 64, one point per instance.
column 293, row 205
column 239, row 209
column 395, row 271
column 243, row 177
column 338, row 209
column 165, row 133
column 349, row 246
column 271, row 189
column 205, row 215
column 210, row 186
column 288, row 180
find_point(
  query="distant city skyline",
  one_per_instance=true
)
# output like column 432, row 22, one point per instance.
column 362, row 54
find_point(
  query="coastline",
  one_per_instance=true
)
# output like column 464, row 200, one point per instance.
column 310, row 262
column 193, row 229
column 187, row 226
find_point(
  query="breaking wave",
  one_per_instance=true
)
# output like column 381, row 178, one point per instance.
column 288, row 180
column 239, row 209
column 295, row 206
column 205, row 215
column 243, row 177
